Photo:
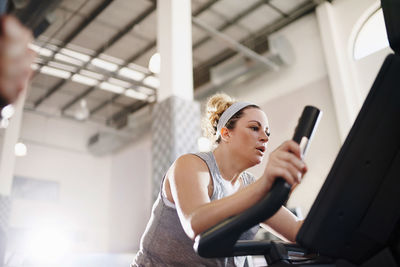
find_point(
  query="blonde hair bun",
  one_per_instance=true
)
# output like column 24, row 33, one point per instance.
column 216, row 105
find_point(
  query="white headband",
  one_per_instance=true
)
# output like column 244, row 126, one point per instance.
column 228, row 113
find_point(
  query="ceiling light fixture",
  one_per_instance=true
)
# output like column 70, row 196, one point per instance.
column 68, row 59
column 84, row 80
column 82, row 113
column 55, row 72
column 41, row 50
column 92, row 74
column 152, row 81
column 77, row 55
column 119, row 82
column 20, row 149
column 155, row 63
column 7, row 111
column 112, row 88
column 62, row 66
column 135, row 94
column 104, row 64
column 131, row 74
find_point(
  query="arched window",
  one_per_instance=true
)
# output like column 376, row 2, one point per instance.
column 371, row 37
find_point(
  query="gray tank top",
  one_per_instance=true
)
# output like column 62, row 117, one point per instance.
column 164, row 242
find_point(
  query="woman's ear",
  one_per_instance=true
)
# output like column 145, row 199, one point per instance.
column 225, row 134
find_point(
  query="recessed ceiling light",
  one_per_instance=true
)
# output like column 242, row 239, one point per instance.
column 62, row 66
column 74, row 54
column 41, row 50
column 68, row 59
column 84, row 80
column 92, row 74
column 135, row 94
column 112, row 88
column 104, row 64
column 119, row 82
column 55, row 72
column 131, row 74
column 152, row 81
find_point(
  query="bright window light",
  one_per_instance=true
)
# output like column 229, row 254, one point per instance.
column 104, row 64
column 68, row 59
column 7, row 111
column 20, row 149
column 131, row 74
column 203, row 144
column 47, row 245
column 112, row 88
column 55, row 72
column 135, row 94
column 92, row 74
column 77, row 55
column 119, row 82
column 154, row 63
column 372, row 36
column 84, row 80
column 152, row 81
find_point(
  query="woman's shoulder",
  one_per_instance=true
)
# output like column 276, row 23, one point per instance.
column 191, row 161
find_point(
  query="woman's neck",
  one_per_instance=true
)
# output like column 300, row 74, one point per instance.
column 229, row 166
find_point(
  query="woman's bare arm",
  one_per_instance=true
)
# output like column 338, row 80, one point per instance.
column 189, row 180
column 283, row 224
column 189, row 184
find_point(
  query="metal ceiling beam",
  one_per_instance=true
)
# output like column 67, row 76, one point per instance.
column 231, row 22
column 238, row 47
column 104, row 47
column 78, row 30
column 258, row 39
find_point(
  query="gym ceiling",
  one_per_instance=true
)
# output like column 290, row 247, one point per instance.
column 96, row 53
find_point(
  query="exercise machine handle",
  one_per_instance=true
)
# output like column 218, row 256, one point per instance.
column 220, row 240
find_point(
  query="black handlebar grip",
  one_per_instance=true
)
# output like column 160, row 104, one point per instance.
column 220, row 240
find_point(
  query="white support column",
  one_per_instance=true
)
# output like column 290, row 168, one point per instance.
column 174, row 43
column 10, row 138
column 344, row 89
column 176, row 117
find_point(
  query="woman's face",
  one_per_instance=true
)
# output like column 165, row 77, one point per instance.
column 250, row 136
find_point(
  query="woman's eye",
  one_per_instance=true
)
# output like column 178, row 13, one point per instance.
column 254, row 128
column 268, row 133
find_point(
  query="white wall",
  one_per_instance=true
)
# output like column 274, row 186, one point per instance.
column 283, row 95
column 130, row 199
column 56, row 152
column 283, row 114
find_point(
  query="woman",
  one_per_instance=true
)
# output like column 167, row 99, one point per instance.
column 200, row 190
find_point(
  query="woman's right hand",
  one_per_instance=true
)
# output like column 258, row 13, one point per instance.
column 285, row 162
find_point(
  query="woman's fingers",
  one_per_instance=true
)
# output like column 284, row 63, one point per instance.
column 285, row 162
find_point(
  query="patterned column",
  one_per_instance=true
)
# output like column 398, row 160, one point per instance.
column 175, row 131
column 4, row 215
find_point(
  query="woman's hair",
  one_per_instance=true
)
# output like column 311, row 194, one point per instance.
column 216, row 105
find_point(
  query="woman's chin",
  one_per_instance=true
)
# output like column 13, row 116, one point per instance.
column 257, row 160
